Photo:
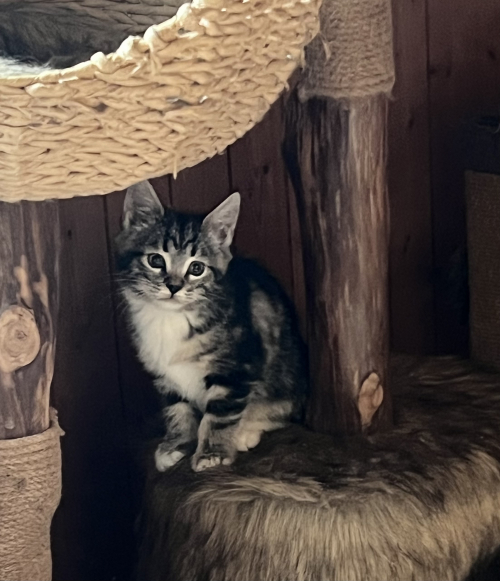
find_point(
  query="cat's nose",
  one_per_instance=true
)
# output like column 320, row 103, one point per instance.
column 173, row 288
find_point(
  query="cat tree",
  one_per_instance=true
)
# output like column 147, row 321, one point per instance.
column 183, row 92
column 414, row 501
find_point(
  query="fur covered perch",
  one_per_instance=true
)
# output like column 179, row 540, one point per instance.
column 419, row 503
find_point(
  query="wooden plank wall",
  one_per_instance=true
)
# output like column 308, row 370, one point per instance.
column 410, row 264
column 447, row 60
column 464, row 80
column 448, row 71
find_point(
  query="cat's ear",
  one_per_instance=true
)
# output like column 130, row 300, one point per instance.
column 141, row 204
column 220, row 224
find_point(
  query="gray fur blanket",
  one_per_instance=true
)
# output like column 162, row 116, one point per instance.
column 419, row 503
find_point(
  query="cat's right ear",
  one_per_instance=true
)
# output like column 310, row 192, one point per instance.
column 141, row 205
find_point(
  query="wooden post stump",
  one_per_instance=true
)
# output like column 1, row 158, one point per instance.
column 335, row 150
column 336, row 156
column 30, row 461
column 29, row 251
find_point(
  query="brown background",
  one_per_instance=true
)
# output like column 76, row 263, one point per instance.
column 448, row 69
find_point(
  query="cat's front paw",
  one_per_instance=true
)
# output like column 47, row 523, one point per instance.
column 202, row 461
column 166, row 457
column 247, row 439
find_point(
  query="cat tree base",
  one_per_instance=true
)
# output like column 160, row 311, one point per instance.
column 419, row 502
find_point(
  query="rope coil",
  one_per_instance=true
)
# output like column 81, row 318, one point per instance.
column 30, row 490
column 353, row 55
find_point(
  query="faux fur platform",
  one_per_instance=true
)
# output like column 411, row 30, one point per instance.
column 419, row 503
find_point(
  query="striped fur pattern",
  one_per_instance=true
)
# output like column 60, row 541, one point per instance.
column 218, row 334
column 419, row 503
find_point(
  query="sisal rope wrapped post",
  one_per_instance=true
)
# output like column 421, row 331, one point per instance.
column 483, row 248
column 335, row 148
column 30, row 489
column 30, row 458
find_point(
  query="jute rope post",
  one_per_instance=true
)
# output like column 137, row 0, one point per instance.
column 483, row 248
column 335, row 148
column 30, row 463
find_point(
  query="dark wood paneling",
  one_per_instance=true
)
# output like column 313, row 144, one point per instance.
column 92, row 529
column 201, row 188
column 411, row 266
column 258, row 173
column 464, row 70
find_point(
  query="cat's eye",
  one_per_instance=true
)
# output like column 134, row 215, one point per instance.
column 156, row 261
column 196, row 268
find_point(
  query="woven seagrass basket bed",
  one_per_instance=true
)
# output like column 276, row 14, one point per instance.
column 182, row 92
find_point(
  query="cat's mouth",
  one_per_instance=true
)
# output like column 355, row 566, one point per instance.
column 170, row 302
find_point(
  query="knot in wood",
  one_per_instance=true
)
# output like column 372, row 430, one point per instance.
column 19, row 338
column 370, row 398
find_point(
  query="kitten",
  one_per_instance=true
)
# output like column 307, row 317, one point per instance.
column 218, row 333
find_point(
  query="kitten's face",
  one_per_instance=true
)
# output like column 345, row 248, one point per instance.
column 174, row 259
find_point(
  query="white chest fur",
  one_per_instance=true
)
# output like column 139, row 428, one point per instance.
column 168, row 351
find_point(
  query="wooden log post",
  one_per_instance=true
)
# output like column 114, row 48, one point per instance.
column 29, row 250
column 335, row 150
column 30, row 458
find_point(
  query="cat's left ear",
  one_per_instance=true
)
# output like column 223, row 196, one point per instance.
column 221, row 222
column 141, row 204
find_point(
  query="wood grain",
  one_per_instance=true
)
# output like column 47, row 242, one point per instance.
column 411, row 259
column 93, row 528
column 29, row 272
column 464, row 68
column 258, row 173
column 336, row 156
column 296, row 250
column 201, row 188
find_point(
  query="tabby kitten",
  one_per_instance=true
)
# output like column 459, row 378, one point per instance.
column 217, row 332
